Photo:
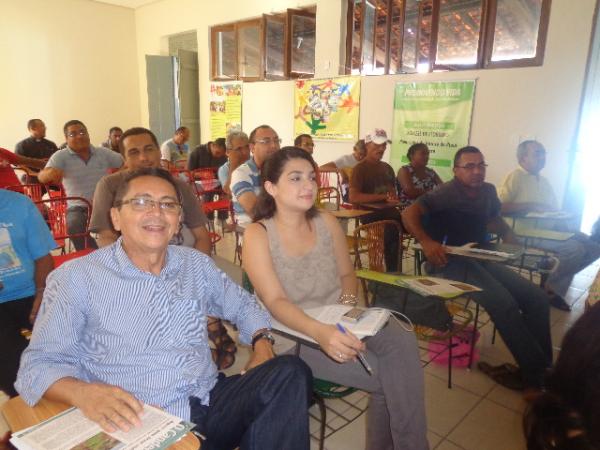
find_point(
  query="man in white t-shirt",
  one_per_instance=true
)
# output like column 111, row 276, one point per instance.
column 176, row 149
column 344, row 165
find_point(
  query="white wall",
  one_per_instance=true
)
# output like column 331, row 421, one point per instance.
column 66, row 59
column 510, row 104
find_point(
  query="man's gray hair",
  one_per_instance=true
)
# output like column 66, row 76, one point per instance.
column 235, row 134
column 523, row 148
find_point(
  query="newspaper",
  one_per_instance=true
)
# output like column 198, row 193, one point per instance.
column 71, row 430
column 439, row 287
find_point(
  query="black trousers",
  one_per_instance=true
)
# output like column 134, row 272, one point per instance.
column 14, row 316
column 265, row 409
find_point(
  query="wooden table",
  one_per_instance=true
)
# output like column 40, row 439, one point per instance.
column 19, row 415
column 380, row 205
column 349, row 213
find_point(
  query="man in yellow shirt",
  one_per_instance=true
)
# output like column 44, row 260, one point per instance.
column 524, row 190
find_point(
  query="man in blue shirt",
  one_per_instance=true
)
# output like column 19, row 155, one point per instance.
column 127, row 324
column 79, row 167
column 25, row 261
column 245, row 180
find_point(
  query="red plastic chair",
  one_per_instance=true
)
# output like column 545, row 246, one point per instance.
column 33, row 191
column 56, row 217
column 60, row 259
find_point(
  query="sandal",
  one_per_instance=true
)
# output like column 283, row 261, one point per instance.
column 507, row 375
column 224, row 353
column 223, row 360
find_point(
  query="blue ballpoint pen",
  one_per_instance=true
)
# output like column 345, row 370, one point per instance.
column 445, row 240
column 361, row 357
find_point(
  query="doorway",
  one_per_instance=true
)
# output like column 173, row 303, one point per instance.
column 173, row 94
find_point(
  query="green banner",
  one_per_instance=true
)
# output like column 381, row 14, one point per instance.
column 437, row 114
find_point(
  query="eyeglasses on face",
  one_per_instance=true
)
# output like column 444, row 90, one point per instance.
column 77, row 133
column 144, row 204
column 239, row 148
column 268, row 141
column 473, row 166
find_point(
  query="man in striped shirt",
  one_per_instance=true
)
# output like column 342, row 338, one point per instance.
column 126, row 324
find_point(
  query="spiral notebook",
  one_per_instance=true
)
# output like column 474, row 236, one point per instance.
column 368, row 325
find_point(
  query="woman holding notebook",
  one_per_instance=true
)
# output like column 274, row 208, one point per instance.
column 296, row 257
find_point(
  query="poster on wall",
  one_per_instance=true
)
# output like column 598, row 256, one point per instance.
column 435, row 113
column 225, row 108
column 327, row 109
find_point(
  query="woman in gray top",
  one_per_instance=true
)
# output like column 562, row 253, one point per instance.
column 297, row 258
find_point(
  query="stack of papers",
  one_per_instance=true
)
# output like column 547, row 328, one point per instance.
column 368, row 325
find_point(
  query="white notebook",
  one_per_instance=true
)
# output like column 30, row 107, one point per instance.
column 368, row 325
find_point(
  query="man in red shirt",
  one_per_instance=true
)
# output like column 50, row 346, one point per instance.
column 7, row 173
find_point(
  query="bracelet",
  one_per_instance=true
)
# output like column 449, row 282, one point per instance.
column 348, row 299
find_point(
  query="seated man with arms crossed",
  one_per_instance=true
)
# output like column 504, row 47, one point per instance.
column 127, row 324
column 245, row 180
column 524, row 190
column 176, row 148
column 139, row 148
column 464, row 210
column 238, row 152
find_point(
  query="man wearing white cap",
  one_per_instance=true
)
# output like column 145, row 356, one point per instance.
column 374, row 181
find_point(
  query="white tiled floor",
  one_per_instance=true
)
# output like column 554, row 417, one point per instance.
column 476, row 414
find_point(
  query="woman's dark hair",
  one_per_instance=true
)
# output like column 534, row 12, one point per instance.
column 415, row 148
column 567, row 416
column 271, row 171
column 145, row 172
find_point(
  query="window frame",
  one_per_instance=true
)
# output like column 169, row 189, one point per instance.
column 280, row 18
column 290, row 13
column 540, row 48
column 484, row 47
column 213, row 52
column 250, row 23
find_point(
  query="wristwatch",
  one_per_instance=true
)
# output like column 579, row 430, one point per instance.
column 265, row 334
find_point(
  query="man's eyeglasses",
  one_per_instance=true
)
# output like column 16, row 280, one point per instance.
column 144, row 204
column 239, row 149
column 473, row 166
column 78, row 133
column 268, row 141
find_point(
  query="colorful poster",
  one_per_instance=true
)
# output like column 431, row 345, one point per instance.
column 437, row 114
column 225, row 108
column 327, row 109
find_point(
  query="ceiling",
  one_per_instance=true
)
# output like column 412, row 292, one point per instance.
column 128, row 3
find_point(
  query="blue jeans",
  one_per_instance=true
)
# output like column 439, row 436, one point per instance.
column 518, row 308
column 265, row 409
column 76, row 221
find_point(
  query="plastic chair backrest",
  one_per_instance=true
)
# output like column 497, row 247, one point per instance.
column 33, row 191
column 56, row 216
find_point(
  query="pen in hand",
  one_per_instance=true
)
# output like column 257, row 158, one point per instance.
column 445, row 240
column 360, row 355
